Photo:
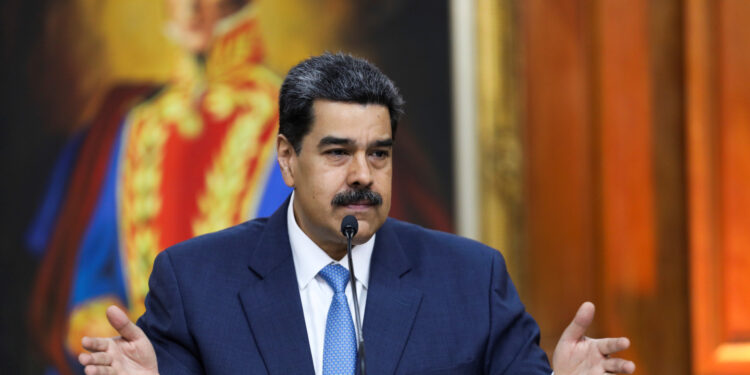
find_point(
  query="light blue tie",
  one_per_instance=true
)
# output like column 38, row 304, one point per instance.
column 340, row 347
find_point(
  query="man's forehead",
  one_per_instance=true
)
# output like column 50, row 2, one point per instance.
column 324, row 107
column 359, row 122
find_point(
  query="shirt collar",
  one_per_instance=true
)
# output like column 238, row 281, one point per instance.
column 309, row 258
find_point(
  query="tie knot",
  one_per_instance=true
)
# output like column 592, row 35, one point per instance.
column 336, row 276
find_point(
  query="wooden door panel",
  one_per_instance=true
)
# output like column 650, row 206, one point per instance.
column 718, row 81
column 734, row 91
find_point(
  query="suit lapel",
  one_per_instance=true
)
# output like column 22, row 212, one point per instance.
column 274, row 311
column 391, row 305
column 272, row 305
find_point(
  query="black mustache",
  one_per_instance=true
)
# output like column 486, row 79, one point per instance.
column 348, row 197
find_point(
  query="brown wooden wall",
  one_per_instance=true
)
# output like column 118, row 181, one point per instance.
column 605, row 195
column 718, row 108
column 633, row 117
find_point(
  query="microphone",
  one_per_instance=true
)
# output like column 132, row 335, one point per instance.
column 349, row 227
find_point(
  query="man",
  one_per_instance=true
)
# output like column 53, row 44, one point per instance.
column 268, row 296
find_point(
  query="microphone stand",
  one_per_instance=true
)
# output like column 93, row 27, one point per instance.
column 349, row 233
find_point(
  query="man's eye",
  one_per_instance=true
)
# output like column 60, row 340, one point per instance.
column 336, row 152
column 380, row 154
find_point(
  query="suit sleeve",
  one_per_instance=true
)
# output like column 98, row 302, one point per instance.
column 513, row 332
column 165, row 324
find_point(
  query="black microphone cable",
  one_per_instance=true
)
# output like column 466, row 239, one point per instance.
column 349, row 228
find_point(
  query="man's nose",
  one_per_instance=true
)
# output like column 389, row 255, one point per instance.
column 360, row 173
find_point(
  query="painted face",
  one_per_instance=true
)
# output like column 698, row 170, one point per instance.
column 344, row 168
column 192, row 22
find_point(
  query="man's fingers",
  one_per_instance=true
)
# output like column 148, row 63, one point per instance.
column 95, row 344
column 99, row 370
column 98, row 358
column 580, row 323
column 120, row 321
column 618, row 366
column 612, row 345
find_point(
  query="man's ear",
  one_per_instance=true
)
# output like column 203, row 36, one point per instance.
column 287, row 158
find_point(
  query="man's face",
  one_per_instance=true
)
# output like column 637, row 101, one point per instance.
column 344, row 168
column 192, row 22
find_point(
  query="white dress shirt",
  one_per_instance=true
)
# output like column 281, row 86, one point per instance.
column 314, row 291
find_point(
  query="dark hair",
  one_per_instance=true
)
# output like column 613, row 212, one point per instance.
column 336, row 77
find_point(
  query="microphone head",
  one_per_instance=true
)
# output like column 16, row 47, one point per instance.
column 349, row 226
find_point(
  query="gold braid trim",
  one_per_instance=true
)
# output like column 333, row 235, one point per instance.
column 229, row 181
column 141, row 203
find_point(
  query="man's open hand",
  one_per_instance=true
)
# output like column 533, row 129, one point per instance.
column 581, row 355
column 129, row 354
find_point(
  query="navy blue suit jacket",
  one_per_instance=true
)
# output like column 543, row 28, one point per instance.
column 228, row 303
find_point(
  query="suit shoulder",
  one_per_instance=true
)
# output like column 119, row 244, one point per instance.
column 240, row 236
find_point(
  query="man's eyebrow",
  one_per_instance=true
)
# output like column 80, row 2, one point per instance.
column 382, row 143
column 337, row 141
column 331, row 141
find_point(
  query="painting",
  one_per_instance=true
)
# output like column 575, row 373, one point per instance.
column 131, row 125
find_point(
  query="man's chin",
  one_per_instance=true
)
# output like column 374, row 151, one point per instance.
column 368, row 219
column 367, row 229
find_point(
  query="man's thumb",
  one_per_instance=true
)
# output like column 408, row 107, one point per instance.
column 577, row 328
column 120, row 321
